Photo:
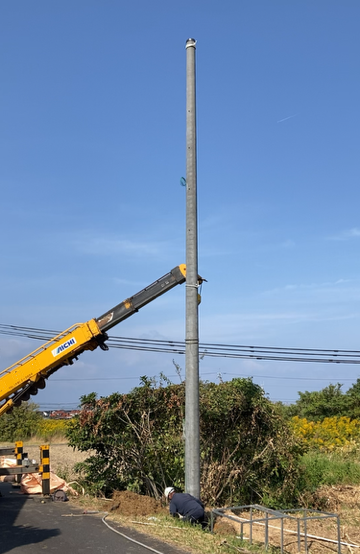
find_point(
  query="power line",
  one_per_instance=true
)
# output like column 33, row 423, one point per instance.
column 287, row 378
column 214, row 350
column 204, row 374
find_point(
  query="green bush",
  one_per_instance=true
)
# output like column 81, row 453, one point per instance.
column 20, row 424
column 327, row 403
column 248, row 451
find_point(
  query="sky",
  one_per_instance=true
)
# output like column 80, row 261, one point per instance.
column 93, row 147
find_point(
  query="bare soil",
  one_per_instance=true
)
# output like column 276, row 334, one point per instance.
column 128, row 503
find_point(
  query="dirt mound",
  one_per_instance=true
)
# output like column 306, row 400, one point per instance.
column 337, row 498
column 131, row 504
column 222, row 527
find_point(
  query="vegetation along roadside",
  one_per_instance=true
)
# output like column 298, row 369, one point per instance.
column 252, row 451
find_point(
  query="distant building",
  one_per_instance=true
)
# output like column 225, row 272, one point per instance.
column 63, row 414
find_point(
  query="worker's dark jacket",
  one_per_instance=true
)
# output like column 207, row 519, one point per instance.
column 188, row 506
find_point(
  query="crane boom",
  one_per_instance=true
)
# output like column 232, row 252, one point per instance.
column 24, row 378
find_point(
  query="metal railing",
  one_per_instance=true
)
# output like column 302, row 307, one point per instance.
column 297, row 520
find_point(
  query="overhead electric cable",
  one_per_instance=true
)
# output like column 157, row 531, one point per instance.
column 280, row 378
column 215, row 350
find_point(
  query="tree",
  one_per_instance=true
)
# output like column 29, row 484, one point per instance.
column 353, row 399
column 317, row 405
column 21, row 423
column 247, row 449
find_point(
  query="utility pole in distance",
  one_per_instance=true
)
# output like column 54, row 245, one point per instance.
column 192, row 426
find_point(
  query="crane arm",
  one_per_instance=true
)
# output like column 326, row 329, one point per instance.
column 24, row 378
column 131, row 305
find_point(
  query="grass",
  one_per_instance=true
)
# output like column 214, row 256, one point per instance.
column 337, row 468
column 174, row 532
column 67, row 473
column 55, row 437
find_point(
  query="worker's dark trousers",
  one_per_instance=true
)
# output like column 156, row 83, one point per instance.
column 195, row 518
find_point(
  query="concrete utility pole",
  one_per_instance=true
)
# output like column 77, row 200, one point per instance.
column 192, row 431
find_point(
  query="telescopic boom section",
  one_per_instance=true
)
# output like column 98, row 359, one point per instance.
column 23, row 379
column 131, row 305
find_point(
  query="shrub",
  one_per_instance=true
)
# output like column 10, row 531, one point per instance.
column 328, row 402
column 248, row 451
column 329, row 434
column 21, row 423
column 48, row 429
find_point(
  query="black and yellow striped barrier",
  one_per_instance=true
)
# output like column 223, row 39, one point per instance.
column 20, row 456
column 45, row 468
column 23, row 465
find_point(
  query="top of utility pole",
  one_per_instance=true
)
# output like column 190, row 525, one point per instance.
column 190, row 42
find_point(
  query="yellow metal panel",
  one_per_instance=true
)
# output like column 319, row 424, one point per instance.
column 93, row 327
column 6, row 407
column 182, row 268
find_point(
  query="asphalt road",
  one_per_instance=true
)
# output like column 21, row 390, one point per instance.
column 30, row 524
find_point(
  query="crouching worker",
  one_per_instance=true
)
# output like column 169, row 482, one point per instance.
column 188, row 507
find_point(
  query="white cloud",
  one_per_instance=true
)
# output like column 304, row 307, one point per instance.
column 348, row 234
column 288, row 244
column 126, row 245
column 109, row 246
column 329, row 286
column 119, row 281
column 12, row 350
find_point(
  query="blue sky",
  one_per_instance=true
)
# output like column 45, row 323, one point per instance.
column 92, row 133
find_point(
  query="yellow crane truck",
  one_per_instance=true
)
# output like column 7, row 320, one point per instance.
column 24, row 378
